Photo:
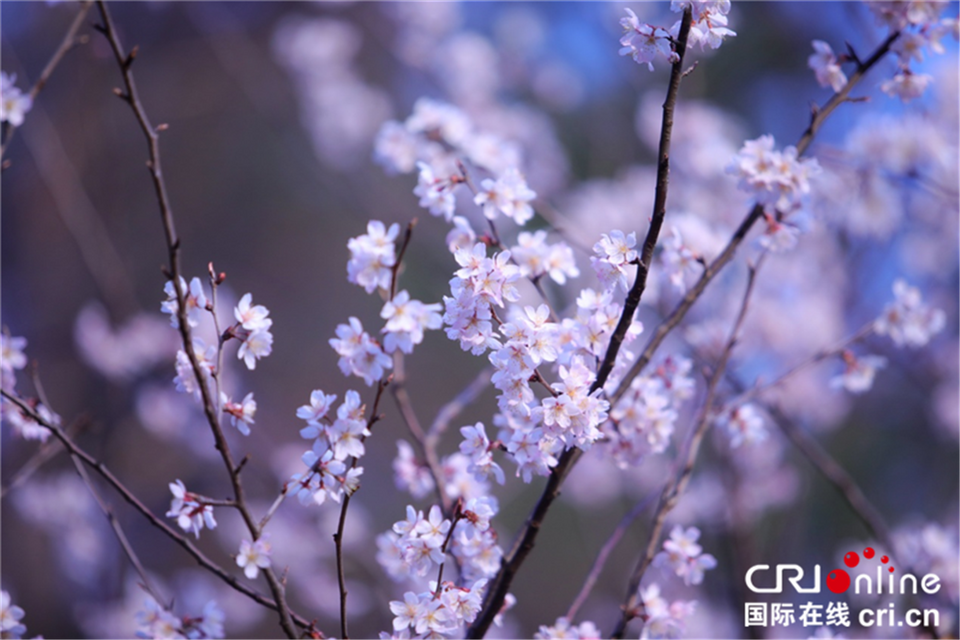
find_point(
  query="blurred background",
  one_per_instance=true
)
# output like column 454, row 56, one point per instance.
column 273, row 109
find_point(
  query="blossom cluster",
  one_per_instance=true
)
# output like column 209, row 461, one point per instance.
column 372, row 265
column 330, row 472
column 439, row 612
column 437, row 140
column 562, row 628
column 778, row 180
column 920, row 28
column 683, row 556
column 251, row 329
column 419, row 543
column 190, row 509
column 13, row 359
column 643, row 421
column 154, row 621
column 664, row 619
column 646, row 42
column 907, row 320
column 14, row 103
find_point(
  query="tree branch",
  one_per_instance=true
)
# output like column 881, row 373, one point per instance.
column 511, row 562
column 125, row 61
column 74, row 450
column 817, row 118
column 675, row 487
column 70, row 40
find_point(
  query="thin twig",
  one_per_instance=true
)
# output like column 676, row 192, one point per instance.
column 338, row 536
column 837, row 349
column 145, row 581
column 374, row 417
column 429, row 453
column 125, row 61
column 455, row 407
column 835, row 474
column 135, row 502
column 70, row 40
column 677, row 484
column 605, row 551
column 511, row 562
column 45, row 453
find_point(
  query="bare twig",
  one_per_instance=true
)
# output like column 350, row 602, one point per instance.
column 836, row 475
column 70, row 40
column 605, row 551
column 43, row 454
column 429, row 453
column 338, row 536
column 511, row 562
column 125, row 61
column 119, row 533
column 834, row 350
column 452, row 409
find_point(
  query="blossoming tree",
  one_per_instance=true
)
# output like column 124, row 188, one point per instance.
column 653, row 368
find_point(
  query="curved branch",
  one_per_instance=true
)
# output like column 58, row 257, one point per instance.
column 70, row 40
column 125, row 61
column 675, row 487
column 74, row 450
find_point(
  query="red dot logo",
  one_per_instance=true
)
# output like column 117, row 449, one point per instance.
column 851, row 559
column 884, row 559
column 838, row 581
column 868, row 553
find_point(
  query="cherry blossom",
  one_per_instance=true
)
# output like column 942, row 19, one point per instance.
column 644, row 42
column 254, row 556
column 194, row 296
column 907, row 85
column 744, row 425
column 406, row 321
column 189, row 510
column 613, row 253
column 907, row 320
column 360, row 355
column 10, row 616
column 508, row 195
column 372, row 256
column 14, row 104
column 683, row 556
column 826, row 67
column 858, row 373
column 241, row 414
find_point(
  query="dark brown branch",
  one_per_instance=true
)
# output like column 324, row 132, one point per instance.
column 74, row 450
column 511, row 562
column 125, row 60
column 70, row 40
column 338, row 536
column 677, row 484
